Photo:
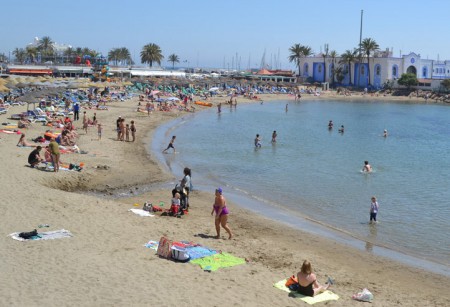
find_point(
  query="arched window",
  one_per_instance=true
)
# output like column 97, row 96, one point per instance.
column 331, row 70
column 319, row 68
column 424, row 72
column 394, row 71
column 306, row 69
column 378, row 70
column 362, row 70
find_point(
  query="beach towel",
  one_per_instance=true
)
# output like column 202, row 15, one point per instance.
column 322, row 297
column 49, row 235
column 217, row 261
column 152, row 244
column 196, row 252
column 141, row 212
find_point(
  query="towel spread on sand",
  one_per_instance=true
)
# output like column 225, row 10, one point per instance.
column 322, row 297
column 196, row 252
column 140, row 212
column 49, row 235
column 217, row 261
column 152, row 244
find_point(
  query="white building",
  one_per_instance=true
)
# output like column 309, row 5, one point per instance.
column 383, row 67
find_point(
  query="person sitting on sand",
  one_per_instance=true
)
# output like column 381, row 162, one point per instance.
column 307, row 281
column 23, row 122
column 34, row 158
column 367, row 168
column 175, row 206
column 221, row 211
column 23, row 142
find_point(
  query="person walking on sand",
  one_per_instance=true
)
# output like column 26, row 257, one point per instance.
column 373, row 209
column 221, row 210
column 171, row 144
column 54, row 150
column 133, row 131
column 367, row 168
column 85, row 122
column 99, row 131
column 307, row 281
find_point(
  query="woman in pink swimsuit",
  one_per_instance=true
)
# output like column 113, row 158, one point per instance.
column 221, row 211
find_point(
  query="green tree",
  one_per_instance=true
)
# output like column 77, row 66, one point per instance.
column 46, row 47
column 20, row 55
column 348, row 57
column 174, row 59
column 151, row 53
column 339, row 73
column 333, row 56
column 369, row 46
column 125, row 56
column 446, row 84
column 408, row 80
column 297, row 52
column 113, row 56
column 31, row 53
column 69, row 53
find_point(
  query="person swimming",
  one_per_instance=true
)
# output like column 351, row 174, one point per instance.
column 330, row 125
column 385, row 133
column 341, row 130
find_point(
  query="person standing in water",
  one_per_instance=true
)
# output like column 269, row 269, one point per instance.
column 274, row 136
column 330, row 125
column 367, row 168
column 287, row 107
column 385, row 133
column 257, row 141
column 373, row 209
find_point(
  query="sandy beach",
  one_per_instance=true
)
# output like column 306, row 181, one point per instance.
column 106, row 264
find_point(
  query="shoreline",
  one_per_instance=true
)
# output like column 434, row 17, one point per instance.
column 103, row 229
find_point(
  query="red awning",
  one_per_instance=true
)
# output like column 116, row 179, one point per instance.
column 31, row 71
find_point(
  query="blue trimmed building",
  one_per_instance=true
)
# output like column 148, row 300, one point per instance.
column 383, row 67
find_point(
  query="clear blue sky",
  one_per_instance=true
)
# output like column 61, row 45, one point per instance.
column 209, row 33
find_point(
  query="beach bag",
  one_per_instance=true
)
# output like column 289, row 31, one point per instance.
column 364, row 296
column 180, row 254
column 28, row 235
column 291, row 281
column 164, row 248
column 148, row 207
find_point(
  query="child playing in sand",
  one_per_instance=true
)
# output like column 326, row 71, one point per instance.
column 127, row 132
column 373, row 209
column 99, row 131
column 175, row 207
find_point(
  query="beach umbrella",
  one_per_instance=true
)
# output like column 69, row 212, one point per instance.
column 21, row 85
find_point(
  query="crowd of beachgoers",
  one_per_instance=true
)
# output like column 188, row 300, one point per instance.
column 105, row 254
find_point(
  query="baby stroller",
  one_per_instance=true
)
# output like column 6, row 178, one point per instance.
column 184, row 201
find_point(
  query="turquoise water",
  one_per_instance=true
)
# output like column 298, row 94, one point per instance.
column 317, row 173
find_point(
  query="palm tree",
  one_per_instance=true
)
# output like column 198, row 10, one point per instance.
column 369, row 46
column 113, row 55
column 31, row 53
column 46, row 46
column 348, row 57
column 297, row 52
column 325, row 55
column 174, row 59
column 151, row 53
column 125, row 55
column 20, row 55
column 333, row 56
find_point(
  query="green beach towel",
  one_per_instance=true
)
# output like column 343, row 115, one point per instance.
column 322, row 297
column 217, row 261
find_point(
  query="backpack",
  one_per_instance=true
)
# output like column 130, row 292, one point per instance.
column 28, row 235
column 180, row 254
column 164, row 248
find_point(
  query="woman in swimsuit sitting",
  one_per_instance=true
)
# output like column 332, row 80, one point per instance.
column 221, row 211
column 307, row 281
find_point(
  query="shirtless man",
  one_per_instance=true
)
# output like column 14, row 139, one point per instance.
column 367, row 168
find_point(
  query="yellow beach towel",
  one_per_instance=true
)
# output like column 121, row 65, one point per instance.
column 322, row 297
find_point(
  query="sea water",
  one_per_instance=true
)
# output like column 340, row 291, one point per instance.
column 315, row 173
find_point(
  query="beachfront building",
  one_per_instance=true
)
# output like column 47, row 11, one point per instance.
column 383, row 67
